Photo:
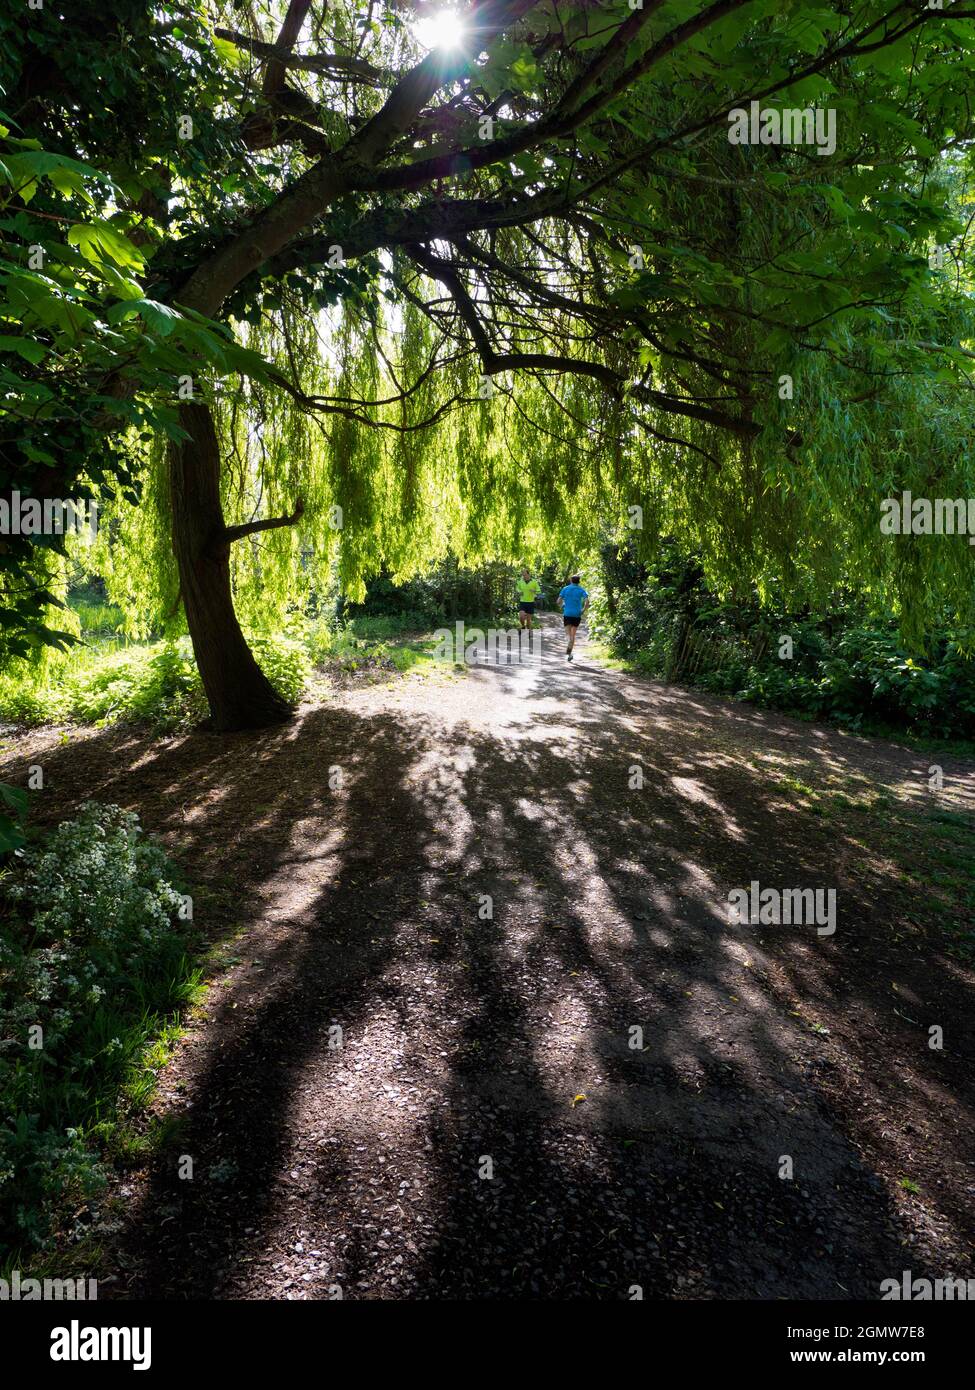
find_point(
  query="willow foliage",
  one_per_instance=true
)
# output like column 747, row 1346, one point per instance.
column 633, row 287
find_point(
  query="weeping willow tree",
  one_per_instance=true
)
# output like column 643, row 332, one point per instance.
column 390, row 450
column 526, row 283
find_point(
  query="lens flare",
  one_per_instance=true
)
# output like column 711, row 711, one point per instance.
column 445, row 29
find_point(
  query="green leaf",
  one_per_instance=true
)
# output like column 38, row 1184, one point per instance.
column 14, row 797
column 160, row 317
column 29, row 348
column 98, row 240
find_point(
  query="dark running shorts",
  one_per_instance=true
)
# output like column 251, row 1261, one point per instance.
column 526, row 608
column 568, row 621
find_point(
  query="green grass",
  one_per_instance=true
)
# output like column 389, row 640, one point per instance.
column 95, row 616
column 155, row 683
column 108, row 678
column 931, row 848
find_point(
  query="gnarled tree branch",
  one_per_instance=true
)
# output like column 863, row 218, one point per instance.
column 229, row 534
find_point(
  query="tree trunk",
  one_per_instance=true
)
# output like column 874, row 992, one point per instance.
column 239, row 694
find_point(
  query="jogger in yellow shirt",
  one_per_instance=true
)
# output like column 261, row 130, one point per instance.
column 528, row 591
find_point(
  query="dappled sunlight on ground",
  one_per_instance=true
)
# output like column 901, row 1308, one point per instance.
column 531, row 966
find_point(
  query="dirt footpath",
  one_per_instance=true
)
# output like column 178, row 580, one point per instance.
column 483, row 1028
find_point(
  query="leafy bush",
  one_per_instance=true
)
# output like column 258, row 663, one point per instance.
column 356, row 645
column 381, row 629
column 13, row 810
column 285, row 662
column 327, row 641
column 417, row 604
column 23, row 702
column 115, row 685
column 446, row 592
column 157, row 684
column 844, row 666
column 92, row 952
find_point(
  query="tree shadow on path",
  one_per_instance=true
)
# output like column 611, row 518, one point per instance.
column 487, row 908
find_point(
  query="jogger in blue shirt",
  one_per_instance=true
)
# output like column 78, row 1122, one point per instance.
column 573, row 600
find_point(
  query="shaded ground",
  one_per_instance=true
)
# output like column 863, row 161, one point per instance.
column 475, row 1045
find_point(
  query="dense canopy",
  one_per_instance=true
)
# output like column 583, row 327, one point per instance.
column 325, row 284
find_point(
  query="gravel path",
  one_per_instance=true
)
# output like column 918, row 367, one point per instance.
column 417, row 1073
